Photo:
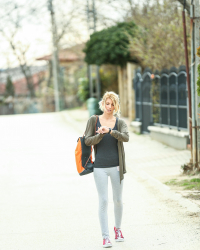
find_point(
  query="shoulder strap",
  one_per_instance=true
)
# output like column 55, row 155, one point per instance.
column 93, row 146
column 95, row 126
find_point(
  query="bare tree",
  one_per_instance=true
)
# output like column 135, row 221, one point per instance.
column 158, row 43
column 11, row 24
column 13, row 17
column 127, row 8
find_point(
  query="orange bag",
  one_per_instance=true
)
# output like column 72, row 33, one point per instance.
column 83, row 156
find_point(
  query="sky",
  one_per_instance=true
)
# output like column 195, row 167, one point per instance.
column 35, row 29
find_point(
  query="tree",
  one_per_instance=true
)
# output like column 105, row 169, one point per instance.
column 15, row 15
column 159, row 40
column 111, row 45
column 14, row 18
column 10, row 90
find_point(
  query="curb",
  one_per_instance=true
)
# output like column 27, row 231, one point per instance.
column 170, row 194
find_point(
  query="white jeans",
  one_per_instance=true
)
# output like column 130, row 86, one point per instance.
column 101, row 180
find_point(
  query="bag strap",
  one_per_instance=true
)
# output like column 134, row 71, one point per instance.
column 94, row 135
column 95, row 126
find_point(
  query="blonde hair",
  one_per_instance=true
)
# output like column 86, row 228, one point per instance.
column 115, row 99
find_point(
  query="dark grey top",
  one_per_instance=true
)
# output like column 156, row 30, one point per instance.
column 107, row 150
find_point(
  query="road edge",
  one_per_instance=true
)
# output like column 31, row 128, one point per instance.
column 182, row 201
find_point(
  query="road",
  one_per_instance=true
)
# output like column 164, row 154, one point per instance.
column 46, row 205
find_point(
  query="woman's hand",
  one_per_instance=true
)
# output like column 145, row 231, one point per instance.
column 103, row 130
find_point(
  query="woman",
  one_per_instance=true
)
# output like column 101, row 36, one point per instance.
column 111, row 132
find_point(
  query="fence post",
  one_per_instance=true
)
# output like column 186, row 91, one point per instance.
column 151, row 100
column 160, row 116
column 140, row 97
column 177, row 123
column 168, row 108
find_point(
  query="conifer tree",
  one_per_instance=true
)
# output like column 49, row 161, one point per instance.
column 10, row 90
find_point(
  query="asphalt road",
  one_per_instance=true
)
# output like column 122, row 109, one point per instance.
column 46, row 205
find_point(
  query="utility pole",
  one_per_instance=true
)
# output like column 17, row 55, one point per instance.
column 197, row 44
column 55, row 57
column 188, row 80
column 193, row 89
column 92, row 18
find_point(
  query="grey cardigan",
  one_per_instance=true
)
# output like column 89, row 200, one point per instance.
column 121, row 135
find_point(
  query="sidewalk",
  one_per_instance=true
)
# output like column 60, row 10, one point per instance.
column 146, row 157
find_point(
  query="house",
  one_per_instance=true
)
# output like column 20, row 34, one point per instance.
column 70, row 59
column 71, row 62
column 19, row 80
column 19, row 103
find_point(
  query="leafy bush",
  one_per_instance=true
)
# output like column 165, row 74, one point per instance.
column 198, row 51
column 110, row 46
column 109, row 78
column 83, row 89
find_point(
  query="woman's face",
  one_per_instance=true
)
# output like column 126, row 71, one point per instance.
column 109, row 106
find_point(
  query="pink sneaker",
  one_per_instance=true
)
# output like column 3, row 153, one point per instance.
column 106, row 242
column 118, row 234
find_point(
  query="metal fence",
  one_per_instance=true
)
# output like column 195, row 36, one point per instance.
column 161, row 98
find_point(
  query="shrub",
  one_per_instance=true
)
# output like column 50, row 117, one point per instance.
column 83, row 89
column 110, row 46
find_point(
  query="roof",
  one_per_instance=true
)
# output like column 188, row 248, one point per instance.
column 71, row 54
column 16, row 73
column 19, row 80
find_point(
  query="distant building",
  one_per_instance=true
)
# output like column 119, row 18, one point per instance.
column 71, row 62
column 70, row 59
column 19, row 80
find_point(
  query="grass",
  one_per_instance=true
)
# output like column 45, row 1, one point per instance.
column 171, row 182
column 186, row 184
column 79, row 107
column 137, row 133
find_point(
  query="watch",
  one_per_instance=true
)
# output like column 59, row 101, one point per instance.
column 109, row 130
